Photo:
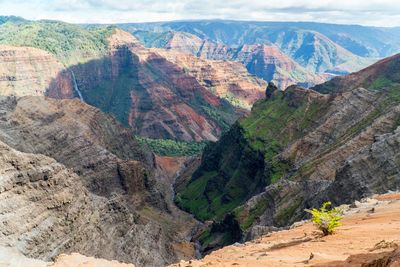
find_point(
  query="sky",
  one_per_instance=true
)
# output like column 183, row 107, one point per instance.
column 363, row 12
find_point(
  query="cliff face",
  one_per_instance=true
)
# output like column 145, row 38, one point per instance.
column 156, row 97
column 271, row 64
column 74, row 180
column 30, row 71
column 226, row 79
column 300, row 148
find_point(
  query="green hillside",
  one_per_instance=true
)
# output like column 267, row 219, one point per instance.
column 72, row 44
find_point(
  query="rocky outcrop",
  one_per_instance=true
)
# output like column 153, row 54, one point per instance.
column 312, row 148
column 30, row 71
column 74, row 180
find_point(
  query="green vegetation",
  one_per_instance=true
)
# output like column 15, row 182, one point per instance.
column 326, row 220
column 229, row 177
column 70, row 43
column 251, row 215
column 191, row 199
column 235, row 101
column 152, row 38
column 284, row 215
column 164, row 147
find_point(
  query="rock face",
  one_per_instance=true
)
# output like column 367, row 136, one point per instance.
column 266, row 61
column 30, row 71
column 301, row 147
column 74, row 180
column 227, row 79
column 142, row 88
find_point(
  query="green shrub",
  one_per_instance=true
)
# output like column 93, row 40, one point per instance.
column 326, row 220
column 166, row 147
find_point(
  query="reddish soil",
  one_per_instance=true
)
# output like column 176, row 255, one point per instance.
column 369, row 233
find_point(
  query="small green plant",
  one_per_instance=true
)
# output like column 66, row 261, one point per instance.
column 327, row 220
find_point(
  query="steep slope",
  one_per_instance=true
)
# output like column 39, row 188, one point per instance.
column 271, row 64
column 301, row 245
column 30, row 71
column 317, row 53
column 226, row 79
column 265, row 61
column 153, row 95
column 296, row 149
column 74, row 180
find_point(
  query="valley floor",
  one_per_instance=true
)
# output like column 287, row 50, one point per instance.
column 372, row 227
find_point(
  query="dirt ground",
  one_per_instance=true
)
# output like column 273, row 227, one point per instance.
column 373, row 226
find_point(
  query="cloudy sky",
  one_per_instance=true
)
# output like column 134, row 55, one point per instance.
column 365, row 12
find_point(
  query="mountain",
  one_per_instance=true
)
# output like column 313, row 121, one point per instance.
column 286, row 55
column 311, row 50
column 360, row 40
column 75, row 180
column 265, row 61
column 110, row 69
column 295, row 150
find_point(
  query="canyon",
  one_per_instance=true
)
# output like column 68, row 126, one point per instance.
column 81, row 183
column 187, row 100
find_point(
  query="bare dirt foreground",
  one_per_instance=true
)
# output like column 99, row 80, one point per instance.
column 370, row 234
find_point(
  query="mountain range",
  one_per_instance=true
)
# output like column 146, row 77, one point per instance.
column 287, row 53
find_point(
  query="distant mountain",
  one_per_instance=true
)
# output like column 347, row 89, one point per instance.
column 265, row 61
column 360, row 40
column 298, row 148
column 4, row 19
column 314, row 57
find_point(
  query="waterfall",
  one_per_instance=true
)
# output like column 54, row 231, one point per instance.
column 76, row 88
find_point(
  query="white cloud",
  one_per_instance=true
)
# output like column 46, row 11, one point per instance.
column 366, row 12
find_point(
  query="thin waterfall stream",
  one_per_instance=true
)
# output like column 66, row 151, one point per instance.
column 76, row 88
